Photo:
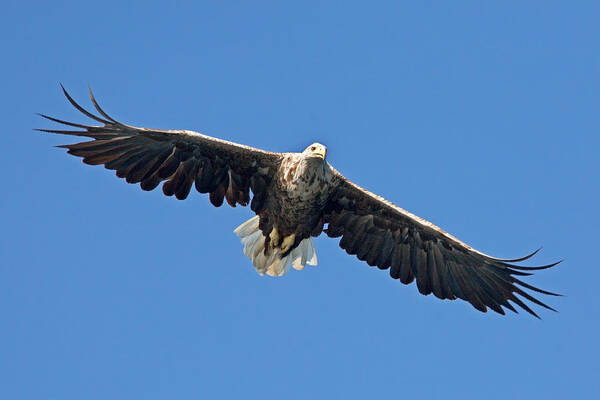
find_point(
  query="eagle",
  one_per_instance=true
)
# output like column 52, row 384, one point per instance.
column 297, row 196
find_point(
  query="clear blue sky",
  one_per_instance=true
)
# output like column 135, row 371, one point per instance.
column 482, row 117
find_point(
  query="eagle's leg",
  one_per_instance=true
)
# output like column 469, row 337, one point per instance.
column 274, row 238
column 288, row 242
column 255, row 248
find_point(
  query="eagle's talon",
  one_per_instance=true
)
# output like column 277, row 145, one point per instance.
column 274, row 238
column 288, row 242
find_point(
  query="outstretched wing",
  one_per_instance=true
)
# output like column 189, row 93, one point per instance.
column 387, row 236
column 223, row 169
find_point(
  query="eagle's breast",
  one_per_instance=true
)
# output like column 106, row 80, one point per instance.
column 304, row 179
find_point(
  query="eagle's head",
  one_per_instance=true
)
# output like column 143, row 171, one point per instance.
column 316, row 150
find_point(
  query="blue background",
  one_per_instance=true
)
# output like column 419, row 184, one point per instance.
column 482, row 117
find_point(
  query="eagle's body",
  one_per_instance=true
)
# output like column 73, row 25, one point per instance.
column 293, row 212
column 296, row 196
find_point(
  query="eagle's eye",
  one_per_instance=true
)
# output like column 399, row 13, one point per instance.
column 313, row 148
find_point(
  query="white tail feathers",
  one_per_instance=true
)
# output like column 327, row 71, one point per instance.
column 273, row 264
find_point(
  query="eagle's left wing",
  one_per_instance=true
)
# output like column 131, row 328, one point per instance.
column 182, row 158
column 386, row 236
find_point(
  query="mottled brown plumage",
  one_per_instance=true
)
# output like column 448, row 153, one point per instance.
column 294, row 196
column 295, row 200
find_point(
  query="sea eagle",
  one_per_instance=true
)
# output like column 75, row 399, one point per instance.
column 296, row 196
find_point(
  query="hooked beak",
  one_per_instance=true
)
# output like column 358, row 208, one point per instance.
column 321, row 153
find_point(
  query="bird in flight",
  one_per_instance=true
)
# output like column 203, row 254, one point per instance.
column 295, row 197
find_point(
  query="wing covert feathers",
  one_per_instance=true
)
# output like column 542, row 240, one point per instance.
column 181, row 159
column 386, row 236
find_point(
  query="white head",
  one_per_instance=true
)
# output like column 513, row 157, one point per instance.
column 316, row 150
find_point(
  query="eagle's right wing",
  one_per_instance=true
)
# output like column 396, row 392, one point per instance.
column 387, row 236
column 223, row 169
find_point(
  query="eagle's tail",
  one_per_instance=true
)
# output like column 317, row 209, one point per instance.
column 273, row 264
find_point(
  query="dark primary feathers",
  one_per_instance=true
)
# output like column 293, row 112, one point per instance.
column 373, row 229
